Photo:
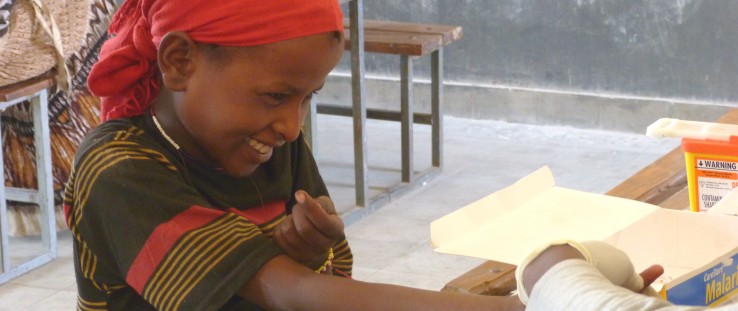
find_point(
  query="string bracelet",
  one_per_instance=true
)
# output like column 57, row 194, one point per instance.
column 328, row 262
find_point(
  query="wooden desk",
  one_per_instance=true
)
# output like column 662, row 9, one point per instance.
column 662, row 183
column 35, row 91
column 408, row 41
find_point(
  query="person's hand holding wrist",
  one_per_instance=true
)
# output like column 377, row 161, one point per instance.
column 613, row 263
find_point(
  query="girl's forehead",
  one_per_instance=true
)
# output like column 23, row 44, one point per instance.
column 289, row 48
column 292, row 53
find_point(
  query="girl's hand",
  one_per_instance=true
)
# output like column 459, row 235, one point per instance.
column 311, row 229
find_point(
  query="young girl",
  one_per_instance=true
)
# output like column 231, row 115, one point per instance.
column 198, row 191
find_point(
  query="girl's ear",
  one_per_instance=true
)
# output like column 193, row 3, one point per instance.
column 175, row 59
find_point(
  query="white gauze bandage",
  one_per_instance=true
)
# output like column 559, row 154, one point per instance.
column 613, row 263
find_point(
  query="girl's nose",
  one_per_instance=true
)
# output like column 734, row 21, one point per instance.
column 289, row 121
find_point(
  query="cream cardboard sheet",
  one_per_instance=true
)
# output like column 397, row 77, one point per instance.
column 728, row 205
column 506, row 225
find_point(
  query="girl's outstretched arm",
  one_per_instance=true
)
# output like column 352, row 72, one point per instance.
column 283, row 284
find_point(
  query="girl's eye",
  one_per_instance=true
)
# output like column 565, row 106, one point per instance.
column 311, row 95
column 278, row 96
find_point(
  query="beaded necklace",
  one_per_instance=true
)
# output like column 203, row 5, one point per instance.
column 177, row 147
column 163, row 133
column 191, row 158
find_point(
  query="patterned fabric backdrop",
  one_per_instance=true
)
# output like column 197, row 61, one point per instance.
column 71, row 116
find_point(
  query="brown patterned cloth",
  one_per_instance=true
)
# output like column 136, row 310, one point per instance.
column 71, row 115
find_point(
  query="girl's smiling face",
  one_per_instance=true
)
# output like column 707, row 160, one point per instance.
column 232, row 106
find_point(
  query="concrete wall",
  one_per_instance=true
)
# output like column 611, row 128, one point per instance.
column 607, row 64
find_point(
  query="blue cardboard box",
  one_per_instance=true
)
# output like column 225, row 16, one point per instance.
column 712, row 285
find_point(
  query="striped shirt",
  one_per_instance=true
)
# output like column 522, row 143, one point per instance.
column 155, row 230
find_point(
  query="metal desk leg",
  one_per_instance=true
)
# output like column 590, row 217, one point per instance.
column 406, row 111
column 437, row 108
column 310, row 128
column 359, row 105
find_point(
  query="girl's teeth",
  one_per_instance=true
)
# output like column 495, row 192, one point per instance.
column 259, row 146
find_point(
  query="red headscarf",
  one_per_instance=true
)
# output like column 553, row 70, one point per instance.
column 126, row 74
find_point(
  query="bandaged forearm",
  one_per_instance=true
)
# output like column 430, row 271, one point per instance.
column 575, row 285
column 613, row 263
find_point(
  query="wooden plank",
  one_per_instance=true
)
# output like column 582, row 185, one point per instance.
column 678, row 201
column 448, row 33
column 396, row 43
column 491, row 278
column 25, row 88
column 731, row 117
column 655, row 182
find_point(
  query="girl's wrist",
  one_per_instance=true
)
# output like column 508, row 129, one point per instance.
column 327, row 264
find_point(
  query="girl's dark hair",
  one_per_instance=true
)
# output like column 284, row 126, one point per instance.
column 337, row 34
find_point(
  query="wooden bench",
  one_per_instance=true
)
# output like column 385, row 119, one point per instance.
column 409, row 41
column 662, row 183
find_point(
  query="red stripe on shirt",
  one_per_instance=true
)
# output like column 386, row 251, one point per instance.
column 163, row 239
column 262, row 214
column 67, row 208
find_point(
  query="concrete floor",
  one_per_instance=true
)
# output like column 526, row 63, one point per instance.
column 391, row 245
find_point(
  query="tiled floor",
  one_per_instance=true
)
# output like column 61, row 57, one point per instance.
column 392, row 244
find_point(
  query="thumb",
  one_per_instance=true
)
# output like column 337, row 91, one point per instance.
column 321, row 215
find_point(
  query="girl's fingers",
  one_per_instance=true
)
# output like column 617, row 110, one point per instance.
column 327, row 223
column 305, row 226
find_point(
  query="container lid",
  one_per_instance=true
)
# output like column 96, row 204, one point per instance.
column 692, row 129
column 728, row 148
